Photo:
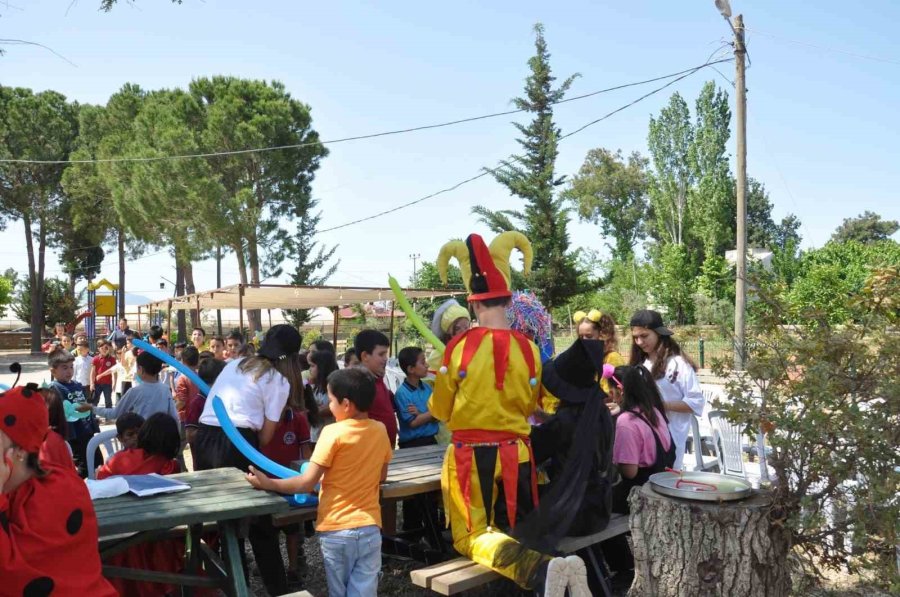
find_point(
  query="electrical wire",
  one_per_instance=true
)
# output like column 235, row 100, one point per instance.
column 825, row 48
column 486, row 171
column 346, row 139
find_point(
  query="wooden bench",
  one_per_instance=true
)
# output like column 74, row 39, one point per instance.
column 462, row 574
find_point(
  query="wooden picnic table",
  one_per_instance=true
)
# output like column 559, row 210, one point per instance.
column 412, row 471
column 219, row 496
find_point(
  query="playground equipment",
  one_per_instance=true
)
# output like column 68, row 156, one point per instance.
column 104, row 304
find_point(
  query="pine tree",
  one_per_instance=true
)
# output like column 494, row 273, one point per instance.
column 532, row 177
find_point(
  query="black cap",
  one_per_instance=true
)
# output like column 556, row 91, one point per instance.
column 573, row 375
column 652, row 320
column 280, row 341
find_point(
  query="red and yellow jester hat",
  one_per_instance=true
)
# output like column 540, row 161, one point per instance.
column 485, row 271
column 24, row 417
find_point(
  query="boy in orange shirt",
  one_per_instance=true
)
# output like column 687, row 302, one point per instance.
column 351, row 459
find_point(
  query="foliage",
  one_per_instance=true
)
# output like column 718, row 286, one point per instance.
column 826, row 277
column 59, row 305
column 828, row 397
column 312, row 267
column 711, row 202
column 612, row 193
column 867, row 227
column 262, row 193
column 7, row 286
column 103, row 132
column 532, row 177
column 716, row 280
column 673, row 282
column 670, row 140
column 35, row 126
column 310, row 336
column 625, row 288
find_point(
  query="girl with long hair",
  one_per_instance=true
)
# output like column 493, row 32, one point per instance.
column 322, row 363
column 674, row 372
column 643, row 446
column 254, row 391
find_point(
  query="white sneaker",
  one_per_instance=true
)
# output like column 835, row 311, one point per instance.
column 557, row 578
column 578, row 579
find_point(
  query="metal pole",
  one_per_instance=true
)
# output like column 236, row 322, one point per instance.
column 169, row 324
column 740, row 301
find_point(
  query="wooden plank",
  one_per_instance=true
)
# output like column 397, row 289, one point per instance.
column 463, row 579
column 412, row 475
column 170, row 517
column 409, row 488
column 291, row 516
column 169, row 578
column 423, row 576
column 618, row 525
column 136, row 505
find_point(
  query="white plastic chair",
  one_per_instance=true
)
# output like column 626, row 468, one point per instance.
column 727, row 440
column 108, row 441
column 701, row 463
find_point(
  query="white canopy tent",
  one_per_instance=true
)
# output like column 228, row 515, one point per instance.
column 277, row 296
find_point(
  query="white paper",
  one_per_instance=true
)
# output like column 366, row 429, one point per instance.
column 106, row 488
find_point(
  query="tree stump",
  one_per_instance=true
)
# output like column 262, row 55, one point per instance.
column 692, row 548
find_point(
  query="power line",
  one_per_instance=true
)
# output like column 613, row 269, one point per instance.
column 353, row 138
column 487, row 171
column 825, row 48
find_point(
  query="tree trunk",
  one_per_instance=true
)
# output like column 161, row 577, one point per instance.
column 189, row 288
column 218, row 285
column 179, row 291
column 36, row 323
column 254, row 316
column 705, row 549
column 120, row 241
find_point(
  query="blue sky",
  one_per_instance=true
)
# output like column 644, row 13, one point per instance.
column 822, row 131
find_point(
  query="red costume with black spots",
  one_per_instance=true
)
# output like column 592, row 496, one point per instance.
column 48, row 529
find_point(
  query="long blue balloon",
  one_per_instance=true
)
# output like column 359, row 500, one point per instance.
column 243, row 446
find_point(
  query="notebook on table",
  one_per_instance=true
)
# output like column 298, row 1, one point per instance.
column 139, row 485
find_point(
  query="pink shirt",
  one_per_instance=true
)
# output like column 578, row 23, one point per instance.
column 634, row 440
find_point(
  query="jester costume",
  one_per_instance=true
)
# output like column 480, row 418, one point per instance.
column 485, row 391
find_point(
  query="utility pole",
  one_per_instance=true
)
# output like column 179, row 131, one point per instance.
column 415, row 257
column 740, row 299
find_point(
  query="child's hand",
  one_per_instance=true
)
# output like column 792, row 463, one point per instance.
column 259, row 480
column 83, row 407
column 411, row 409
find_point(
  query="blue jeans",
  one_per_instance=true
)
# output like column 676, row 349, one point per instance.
column 352, row 561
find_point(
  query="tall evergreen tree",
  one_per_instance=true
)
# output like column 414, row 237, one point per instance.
column 36, row 126
column 532, row 176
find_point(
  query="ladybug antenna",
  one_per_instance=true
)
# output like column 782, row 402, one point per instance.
column 17, row 369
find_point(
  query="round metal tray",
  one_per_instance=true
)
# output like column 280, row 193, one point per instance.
column 726, row 488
